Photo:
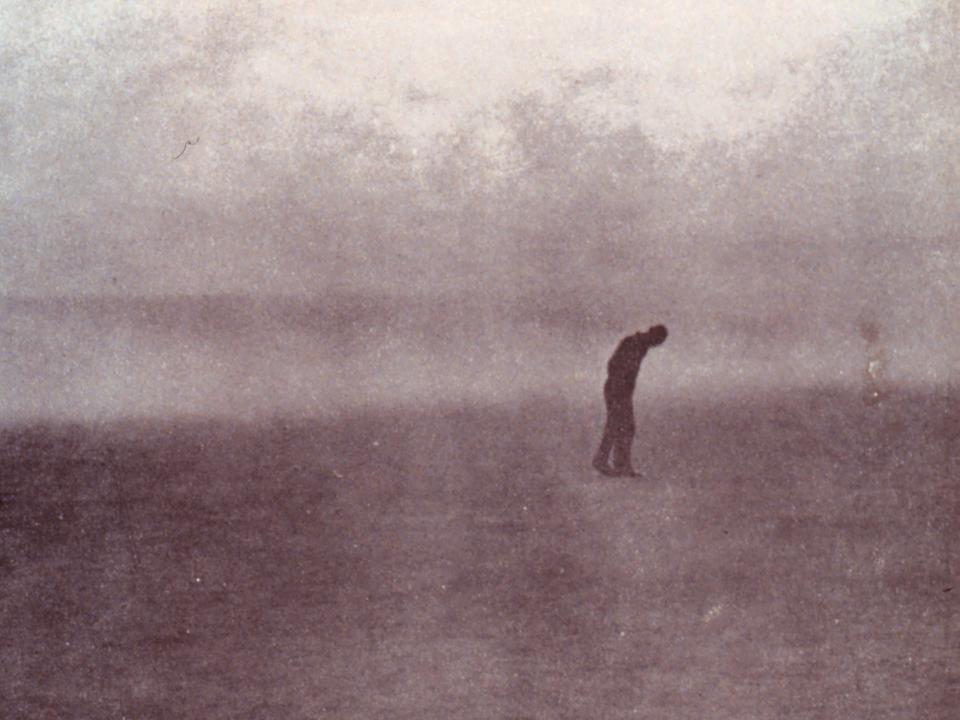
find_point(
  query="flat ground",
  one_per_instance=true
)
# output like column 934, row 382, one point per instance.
column 790, row 556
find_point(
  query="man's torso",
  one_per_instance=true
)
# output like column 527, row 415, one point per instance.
column 623, row 367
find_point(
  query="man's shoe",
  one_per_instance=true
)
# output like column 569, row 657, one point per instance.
column 626, row 472
column 602, row 468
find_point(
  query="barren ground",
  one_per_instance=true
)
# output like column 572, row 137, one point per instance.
column 789, row 556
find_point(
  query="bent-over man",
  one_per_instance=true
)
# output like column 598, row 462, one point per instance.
column 622, row 369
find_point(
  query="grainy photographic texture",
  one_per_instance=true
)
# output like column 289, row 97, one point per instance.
column 305, row 316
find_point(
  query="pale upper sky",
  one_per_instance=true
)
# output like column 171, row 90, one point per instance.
column 322, row 127
column 686, row 70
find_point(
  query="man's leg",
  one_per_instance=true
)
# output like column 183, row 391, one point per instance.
column 602, row 456
column 603, row 452
column 622, row 461
column 623, row 442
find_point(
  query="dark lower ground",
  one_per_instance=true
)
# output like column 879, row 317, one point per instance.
column 788, row 556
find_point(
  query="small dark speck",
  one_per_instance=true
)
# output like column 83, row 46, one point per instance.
column 187, row 144
column 947, row 589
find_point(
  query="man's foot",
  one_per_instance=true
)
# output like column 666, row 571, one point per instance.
column 601, row 467
column 626, row 472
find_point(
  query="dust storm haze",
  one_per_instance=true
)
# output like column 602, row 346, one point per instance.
column 539, row 181
column 304, row 316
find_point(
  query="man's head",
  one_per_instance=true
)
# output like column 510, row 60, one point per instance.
column 656, row 335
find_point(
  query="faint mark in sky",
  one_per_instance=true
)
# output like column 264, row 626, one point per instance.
column 876, row 361
column 187, row 144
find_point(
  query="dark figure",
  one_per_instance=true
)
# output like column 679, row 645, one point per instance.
column 622, row 369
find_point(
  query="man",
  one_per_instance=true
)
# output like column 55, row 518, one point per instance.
column 622, row 370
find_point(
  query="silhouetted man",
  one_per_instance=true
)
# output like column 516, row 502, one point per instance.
column 622, row 369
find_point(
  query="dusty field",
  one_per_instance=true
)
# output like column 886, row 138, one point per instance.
column 783, row 557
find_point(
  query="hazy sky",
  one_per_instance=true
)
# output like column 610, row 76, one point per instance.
column 523, row 182
column 758, row 156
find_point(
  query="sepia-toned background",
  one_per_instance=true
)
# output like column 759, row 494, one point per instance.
column 314, row 298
